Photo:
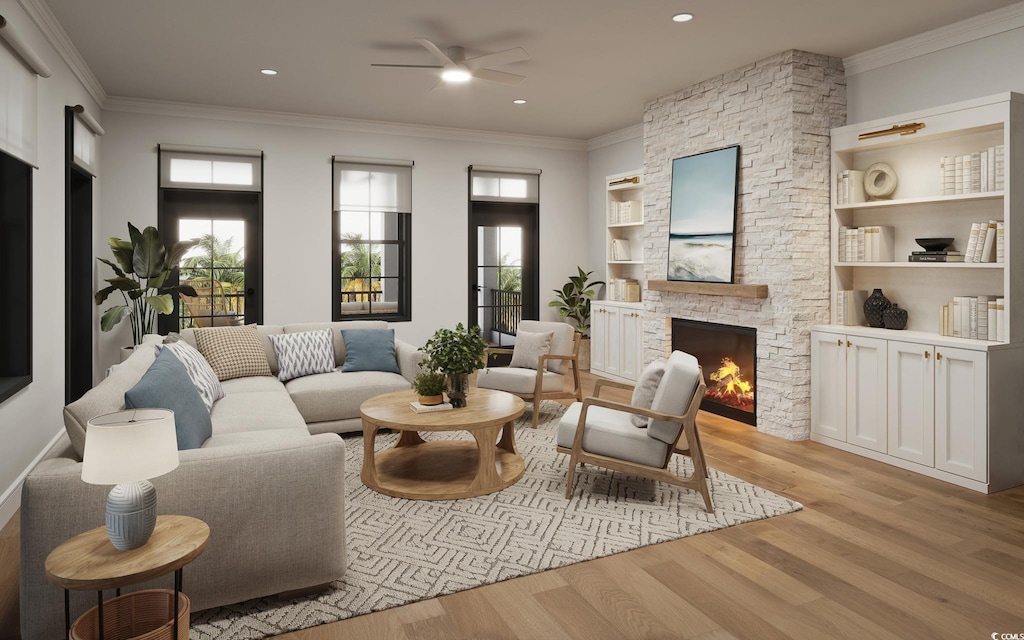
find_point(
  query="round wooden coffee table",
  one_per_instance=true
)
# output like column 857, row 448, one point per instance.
column 442, row 469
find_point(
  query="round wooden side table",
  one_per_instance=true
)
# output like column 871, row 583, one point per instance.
column 89, row 562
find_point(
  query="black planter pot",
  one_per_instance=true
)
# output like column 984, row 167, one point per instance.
column 874, row 307
column 895, row 318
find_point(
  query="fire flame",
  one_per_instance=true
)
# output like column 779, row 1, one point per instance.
column 729, row 385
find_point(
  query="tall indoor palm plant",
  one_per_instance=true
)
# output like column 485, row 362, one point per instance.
column 144, row 263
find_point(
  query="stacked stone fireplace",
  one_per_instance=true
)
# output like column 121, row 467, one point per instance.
column 780, row 111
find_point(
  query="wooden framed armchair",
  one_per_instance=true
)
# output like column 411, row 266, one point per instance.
column 547, row 380
column 600, row 431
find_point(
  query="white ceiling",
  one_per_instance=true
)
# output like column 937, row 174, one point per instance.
column 593, row 62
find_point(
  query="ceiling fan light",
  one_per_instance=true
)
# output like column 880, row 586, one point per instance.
column 519, row 101
column 682, row 17
column 455, row 75
column 268, row 72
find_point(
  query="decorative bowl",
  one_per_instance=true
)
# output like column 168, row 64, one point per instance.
column 934, row 244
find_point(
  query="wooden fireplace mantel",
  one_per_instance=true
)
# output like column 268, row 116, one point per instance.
column 711, row 288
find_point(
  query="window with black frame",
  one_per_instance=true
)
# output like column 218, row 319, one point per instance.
column 372, row 250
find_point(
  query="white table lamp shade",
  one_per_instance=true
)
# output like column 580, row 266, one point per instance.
column 130, row 445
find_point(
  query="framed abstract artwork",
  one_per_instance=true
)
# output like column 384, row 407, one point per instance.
column 702, row 217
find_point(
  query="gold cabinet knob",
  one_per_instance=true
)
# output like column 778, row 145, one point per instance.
column 839, row 342
column 938, row 356
column 927, row 355
column 848, row 344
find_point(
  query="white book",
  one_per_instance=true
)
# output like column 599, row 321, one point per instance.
column 984, row 171
column 869, row 244
column 957, row 317
column 860, row 244
column 982, row 317
column 972, row 318
column 972, row 243
column 991, row 153
column 1004, row 334
column 958, row 176
column 855, row 187
column 430, row 408
column 944, row 328
column 841, row 250
column 988, row 249
column 993, row 320
column 620, row 249
column 1000, row 232
column 1000, row 164
column 838, row 184
column 975, row 184
column 965, row 317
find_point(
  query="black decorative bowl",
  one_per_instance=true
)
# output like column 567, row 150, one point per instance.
column 934, row 244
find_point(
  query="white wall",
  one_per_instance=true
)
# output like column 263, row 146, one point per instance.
column 31, row 418
column 972, row 70
column 602, row 162
column 297, row 209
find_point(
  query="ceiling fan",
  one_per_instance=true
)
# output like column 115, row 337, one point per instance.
column 456, row 68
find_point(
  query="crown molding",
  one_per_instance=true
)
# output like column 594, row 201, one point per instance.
column 969, row 30
column 257, row 116
column 614, row 137
column 65, row 48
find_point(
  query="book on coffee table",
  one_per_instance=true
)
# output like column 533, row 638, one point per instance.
column 429, row 408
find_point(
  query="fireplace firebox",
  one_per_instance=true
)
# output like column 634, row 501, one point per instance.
column 728, row 355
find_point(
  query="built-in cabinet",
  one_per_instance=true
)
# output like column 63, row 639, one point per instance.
column 938, row 405
column 616, row 340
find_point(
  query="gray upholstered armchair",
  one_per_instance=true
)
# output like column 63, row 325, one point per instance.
column 601, row 432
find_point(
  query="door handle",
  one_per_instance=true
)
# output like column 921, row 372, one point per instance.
column 250, row 291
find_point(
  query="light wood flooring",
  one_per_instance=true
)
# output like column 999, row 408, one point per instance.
column 876, row 553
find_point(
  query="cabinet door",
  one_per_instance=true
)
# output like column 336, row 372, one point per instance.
column 828, row 385
column 961, row 413
column 598, row 338
column 866, row 366
column 912, row 402
column 632, row 332
column 613, row 354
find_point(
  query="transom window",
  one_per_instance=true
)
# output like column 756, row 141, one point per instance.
column 372, row 254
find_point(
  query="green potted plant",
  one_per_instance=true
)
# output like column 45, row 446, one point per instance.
column 143, row 265
column 456, row 353
column 429, row 385
column 573, row 305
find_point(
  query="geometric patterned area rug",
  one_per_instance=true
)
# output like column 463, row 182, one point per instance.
column 401, row 551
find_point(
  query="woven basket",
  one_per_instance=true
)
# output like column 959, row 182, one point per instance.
column 142, row 615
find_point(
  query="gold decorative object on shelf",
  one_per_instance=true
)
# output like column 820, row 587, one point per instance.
column 902, row 129
column 630, row 180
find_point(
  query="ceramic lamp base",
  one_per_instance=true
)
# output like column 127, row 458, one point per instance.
column 131, row 514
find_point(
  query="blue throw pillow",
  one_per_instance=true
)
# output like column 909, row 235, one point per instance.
column 369, row 350
column 166, row 385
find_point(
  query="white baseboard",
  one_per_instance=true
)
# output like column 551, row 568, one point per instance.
column 10, row 501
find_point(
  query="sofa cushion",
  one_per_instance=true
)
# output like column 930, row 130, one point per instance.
column 108, row 395
column 199, row 371
column 611, row 433
column 264, row 331
column 237, row 412
column 233, row 352
column 561, row 342
column 303, row 354
column 337, row 395
column 680, row 382
column 515, row 380
column 369, row 350
column 255, row 437
column 254, row 384
column 336, row 327
column 646, row 387
column 529, row 348
column 166, row 385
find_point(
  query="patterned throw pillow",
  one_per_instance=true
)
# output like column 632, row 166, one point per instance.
column 643, row 393
column 303, row 354
column 529, row 348
column 233, row 352
column 199, row 371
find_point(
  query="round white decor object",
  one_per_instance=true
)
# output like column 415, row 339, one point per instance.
column 880, row 181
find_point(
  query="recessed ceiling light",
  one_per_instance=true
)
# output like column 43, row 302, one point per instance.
column 268, row 72
column 682, row 17
column 519, row 101
column 455, row 75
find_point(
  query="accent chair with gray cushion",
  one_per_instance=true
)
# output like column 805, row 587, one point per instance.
column 542, row 375
column 601, row 432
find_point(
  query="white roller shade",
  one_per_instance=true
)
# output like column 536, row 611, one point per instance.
column 361, row 186
column 223, row 169
column 496, row 184
column 18, row 105
column 84, row 146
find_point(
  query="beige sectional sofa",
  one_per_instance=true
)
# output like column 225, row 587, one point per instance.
column 269, row 482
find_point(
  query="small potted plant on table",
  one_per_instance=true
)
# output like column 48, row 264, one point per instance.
column 429, row 385
column 456, row 353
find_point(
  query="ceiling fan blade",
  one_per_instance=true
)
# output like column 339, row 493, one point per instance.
column 408, row 66
column 498, row 59
column 432, row 48
column 498, row 76
column 440, row 83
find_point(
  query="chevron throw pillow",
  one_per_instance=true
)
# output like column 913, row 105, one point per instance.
column 303, row 354
column 199, row 371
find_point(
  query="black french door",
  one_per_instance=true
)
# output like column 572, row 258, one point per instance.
column 79, row 267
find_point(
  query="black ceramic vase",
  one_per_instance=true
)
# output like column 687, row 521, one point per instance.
column 895, row 318
column 874, row 307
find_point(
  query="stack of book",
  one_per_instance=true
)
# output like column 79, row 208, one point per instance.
column 850, row 308
column 621, row 250
column 850, row 187
column 976, row 172
column 936, row 256
column 430, row 408
column 625, row 211
column 866, row 244
column 623, row 290
column 974, row 317
column 986, row 242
